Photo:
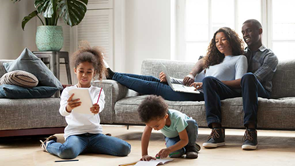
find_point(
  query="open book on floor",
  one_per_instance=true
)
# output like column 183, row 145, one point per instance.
column 178, row 87
column 148, row 163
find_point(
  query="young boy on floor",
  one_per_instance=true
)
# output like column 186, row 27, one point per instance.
column 179, row 130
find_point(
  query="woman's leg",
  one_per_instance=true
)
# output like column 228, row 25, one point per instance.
column 71, row 148
column 151, row 85
column 171, row 142
column 102, row 144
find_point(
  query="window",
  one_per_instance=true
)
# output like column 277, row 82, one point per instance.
column 200, row 19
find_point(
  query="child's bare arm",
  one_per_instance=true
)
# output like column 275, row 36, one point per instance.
column 180, row 144
column 145, row 138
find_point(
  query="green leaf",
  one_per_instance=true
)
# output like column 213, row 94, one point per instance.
column 73, row 11
column 28, row 18
column 42, row 5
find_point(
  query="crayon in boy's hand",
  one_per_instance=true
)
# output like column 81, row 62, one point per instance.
column 157, row 156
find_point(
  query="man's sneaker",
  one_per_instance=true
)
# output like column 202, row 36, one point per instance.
column 215, row 139
column 192, row 151
column 250, row 139
column 44, row 144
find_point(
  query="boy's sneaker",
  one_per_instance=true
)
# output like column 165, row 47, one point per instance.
column 44, row 144
column 250, row 139
column 192, row 151
column 216, row 138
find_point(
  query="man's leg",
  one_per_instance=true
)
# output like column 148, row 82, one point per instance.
column 251, row 90
column 214, row 91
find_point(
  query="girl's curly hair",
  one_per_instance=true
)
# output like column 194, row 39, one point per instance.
column 93, row 55
column 214, row 57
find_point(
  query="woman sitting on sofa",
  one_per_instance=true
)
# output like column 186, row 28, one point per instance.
column 224, row 60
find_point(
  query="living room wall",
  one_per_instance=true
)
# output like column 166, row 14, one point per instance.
column 13, row 38
column 148, row 32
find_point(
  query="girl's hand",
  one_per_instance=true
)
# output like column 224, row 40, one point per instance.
column 147, row 158
column 163, row 153
column 197, row 85
column 162, row 77
column 188, row 80
column 72, row 104
column 95, row 108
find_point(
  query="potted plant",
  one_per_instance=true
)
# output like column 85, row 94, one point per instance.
column 49, row 36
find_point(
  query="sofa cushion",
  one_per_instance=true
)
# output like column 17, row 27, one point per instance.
column 17, row 92
column 33, row 113
column 284, row 80
column 19, row 78
column 272, row 113
column 29, row 62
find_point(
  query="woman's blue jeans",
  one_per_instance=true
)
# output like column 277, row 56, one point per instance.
column 151, row 85
column 89, row 143
column 192, row 132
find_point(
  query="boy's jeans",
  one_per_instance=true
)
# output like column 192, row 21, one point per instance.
column 89, row 143
column 192, row 131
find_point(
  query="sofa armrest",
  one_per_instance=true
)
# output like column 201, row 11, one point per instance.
column 113, row 92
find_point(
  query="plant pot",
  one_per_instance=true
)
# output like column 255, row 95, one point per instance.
column 49, row 38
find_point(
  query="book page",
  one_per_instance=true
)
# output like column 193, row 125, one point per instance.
column 153, row 162
column 86, row 101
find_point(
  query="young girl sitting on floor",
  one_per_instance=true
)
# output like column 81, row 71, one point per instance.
column 83, row 133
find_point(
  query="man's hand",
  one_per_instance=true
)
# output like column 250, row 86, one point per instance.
column 147, row 158
column 162, row 77
column 188, row 80
column 72, row 104
column 197, row 85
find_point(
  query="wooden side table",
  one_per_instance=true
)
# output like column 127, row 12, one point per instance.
column 53, row 59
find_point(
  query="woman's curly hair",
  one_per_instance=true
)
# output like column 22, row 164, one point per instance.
column 214, row 57
column 93, row 55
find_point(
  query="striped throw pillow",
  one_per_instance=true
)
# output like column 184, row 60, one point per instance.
column 19, row 78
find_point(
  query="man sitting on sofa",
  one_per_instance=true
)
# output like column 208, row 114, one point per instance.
column 262, row 64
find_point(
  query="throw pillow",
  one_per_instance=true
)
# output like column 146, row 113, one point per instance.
column 29, row 62
column 19, row 78
column 17, row 92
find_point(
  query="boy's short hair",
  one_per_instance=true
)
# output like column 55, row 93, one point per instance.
column 151, row 108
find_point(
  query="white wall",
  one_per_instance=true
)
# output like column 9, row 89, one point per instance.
column 12, row 38
column 147, row 32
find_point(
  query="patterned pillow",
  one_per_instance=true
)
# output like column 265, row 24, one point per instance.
column 29, row 62
column 19, row 78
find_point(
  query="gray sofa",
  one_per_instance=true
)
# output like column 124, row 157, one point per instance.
column 19, row 117
column 275, row 113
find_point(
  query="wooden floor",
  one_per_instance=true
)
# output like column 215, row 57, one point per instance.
column 275, row 148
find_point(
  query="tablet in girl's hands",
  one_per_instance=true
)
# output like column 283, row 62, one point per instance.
column 85, row 99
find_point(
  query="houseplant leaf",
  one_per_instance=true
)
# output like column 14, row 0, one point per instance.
column 73, row 11
column 28, row 18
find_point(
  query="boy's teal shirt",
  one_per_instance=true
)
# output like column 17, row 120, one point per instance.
column 178, row 123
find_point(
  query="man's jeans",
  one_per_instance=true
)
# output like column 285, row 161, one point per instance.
column 214, row 91
column 192, row 131
column 89, row 143
column 251, row 90
column 151, row 85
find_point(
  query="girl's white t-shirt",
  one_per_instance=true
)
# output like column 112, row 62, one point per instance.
column 82, row 123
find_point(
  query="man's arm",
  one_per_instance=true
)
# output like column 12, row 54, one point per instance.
column 269, row 65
